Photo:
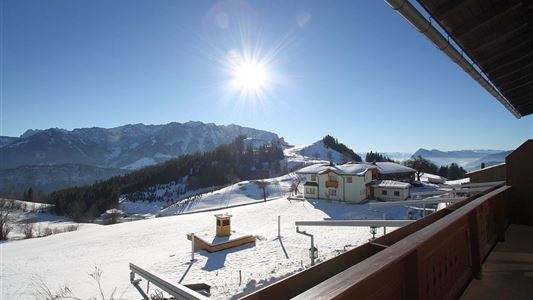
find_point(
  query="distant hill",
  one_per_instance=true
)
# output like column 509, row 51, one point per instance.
column 316, row 151
column 50, row 178
column 125, row 147
column 227, row 163
column 5, row 140
column 468, row 159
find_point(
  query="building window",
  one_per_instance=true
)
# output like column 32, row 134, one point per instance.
column 332, row 177
column 313, row 177
column 384, row 192
column 333, row 192
column 349, row 179
column 309, row 190
column 397, row 193
column 225, row 222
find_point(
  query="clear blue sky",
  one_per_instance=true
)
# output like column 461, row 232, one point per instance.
column 353, row 69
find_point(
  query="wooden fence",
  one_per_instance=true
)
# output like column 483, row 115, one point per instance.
column 434, row 257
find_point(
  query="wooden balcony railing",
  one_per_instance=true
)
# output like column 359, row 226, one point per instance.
column 432, row 258
column 332, row 184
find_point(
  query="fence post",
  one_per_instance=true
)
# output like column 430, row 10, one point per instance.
column 279, row 230
column 412, row 282
column 192, row 247
column 474, row 243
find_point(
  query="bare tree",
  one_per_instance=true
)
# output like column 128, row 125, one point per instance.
column 421, row 165
column 27, row 230
column 6, row 208
column 262, row 184
column 112, row 216
column 42, row 291
column 296, row 184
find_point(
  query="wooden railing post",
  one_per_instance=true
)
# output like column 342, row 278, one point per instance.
column 412, row 282
column 501, row 216
column 475, row 249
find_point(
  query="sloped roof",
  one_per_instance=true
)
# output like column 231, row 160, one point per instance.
column 356, row 168
column 393, row 168
column 346, row 169
column 391, row 184
column 498, row 37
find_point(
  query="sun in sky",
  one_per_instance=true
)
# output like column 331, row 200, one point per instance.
column 249, row 75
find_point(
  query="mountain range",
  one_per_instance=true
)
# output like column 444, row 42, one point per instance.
column 94, row 153
column 55, row 158
column 468, row 159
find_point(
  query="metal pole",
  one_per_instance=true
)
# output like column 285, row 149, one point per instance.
column 192, row 247
column 279, row 230
column 312, row 251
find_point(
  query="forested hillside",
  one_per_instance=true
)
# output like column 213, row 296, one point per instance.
column 225, row 164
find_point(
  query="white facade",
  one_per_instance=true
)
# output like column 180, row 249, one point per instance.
column 389, row 190
column 336, row 183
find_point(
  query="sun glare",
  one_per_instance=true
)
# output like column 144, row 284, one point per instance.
column 250, row 77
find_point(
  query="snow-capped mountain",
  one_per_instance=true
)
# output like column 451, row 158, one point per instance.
column 468, row 159
column 124, row 147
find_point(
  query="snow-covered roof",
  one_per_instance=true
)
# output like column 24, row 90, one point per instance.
column 392, row 168
column 391, row 184
column 357, row 168
column 346, row 169
column 490, row 167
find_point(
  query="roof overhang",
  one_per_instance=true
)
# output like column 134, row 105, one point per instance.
column 490, row 40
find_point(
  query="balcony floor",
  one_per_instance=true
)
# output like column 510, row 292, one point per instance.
column 508, row 270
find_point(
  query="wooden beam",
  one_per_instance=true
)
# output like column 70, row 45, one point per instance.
column 447, row 7
column 510, row 70
column 516, row 46
column 524, row 91
column 515, row 60
column 374, row 205
column 477, row 21
column 500, row 38
column 518, row 83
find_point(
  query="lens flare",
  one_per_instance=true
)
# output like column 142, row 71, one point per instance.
column 250, row 77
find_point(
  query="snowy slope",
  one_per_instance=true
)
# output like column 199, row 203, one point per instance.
column 312, row 154
column 160, row 246
column 43, row 221
column 170, row 203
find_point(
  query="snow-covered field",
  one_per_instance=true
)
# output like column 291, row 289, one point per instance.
column 241, row 193
column 160, row 246
column 42, row 221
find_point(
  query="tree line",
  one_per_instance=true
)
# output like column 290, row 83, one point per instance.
column 334, row 144
column 377, row 157
column 422, row 165
column 225, row 164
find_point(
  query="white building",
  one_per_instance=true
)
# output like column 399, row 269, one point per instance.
column 353, row 182
column 390, row 190
column 346, row 182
